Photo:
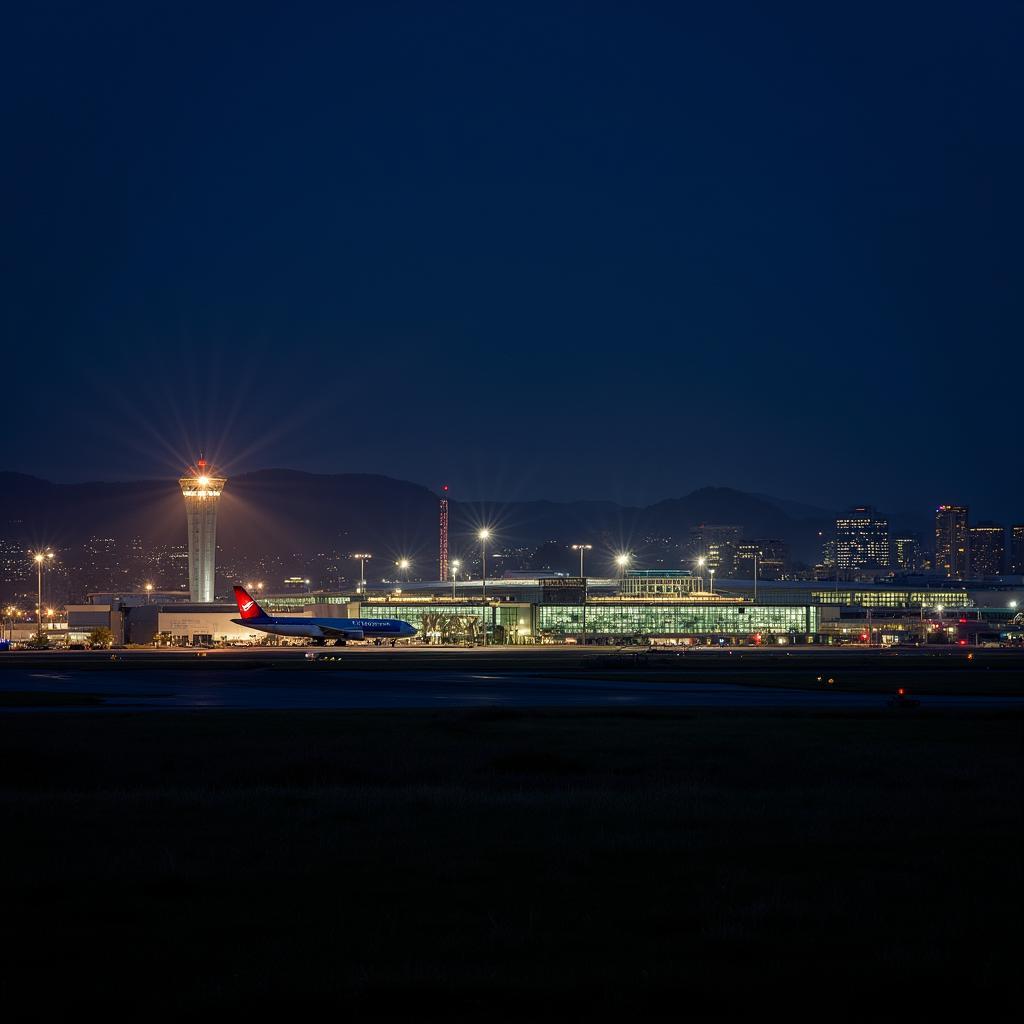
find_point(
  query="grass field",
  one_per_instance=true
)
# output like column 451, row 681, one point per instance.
column 511, row 864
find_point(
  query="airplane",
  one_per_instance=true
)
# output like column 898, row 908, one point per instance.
column 318, row 630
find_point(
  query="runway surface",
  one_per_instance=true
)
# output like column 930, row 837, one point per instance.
column 313, row 687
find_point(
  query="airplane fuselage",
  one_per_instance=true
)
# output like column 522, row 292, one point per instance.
column 330, row 629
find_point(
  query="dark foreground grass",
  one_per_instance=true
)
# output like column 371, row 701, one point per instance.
column 511, row 863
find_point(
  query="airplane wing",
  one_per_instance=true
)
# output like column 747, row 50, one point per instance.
column 331, row 633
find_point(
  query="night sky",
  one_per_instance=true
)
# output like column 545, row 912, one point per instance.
column 554, row 250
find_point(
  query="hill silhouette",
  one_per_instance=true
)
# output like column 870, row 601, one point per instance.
column 281, row 511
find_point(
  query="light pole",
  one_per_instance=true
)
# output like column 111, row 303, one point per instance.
column 41, row 558
column 622, row 561
column 149, row 592
column 755, row 577
column 362, row 571
column 483, row 536
column 11, row 612
column 700, row 565
column 455, row 572
column 583, row 549
column 712, row 572
column 403, row 565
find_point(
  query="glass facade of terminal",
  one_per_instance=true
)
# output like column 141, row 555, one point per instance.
column 893, row 598
column 659, row 583
column 677, row 619
column 509, row 617
column 295, row 604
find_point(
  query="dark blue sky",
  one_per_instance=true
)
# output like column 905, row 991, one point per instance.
column 564, row 250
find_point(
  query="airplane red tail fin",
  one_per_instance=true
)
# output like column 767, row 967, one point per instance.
column 247, row 606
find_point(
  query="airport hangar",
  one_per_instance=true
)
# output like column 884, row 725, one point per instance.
column 662, row 605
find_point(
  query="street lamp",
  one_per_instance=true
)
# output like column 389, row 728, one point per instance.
column 583, row 549
column 11, row 611
column 455, row 572
column 362, row 571
column 403, row 565
column 41, row 558
column 622, row 561
column 484, row 536
column 712, row 571
column 700, row 565
column 149, row 592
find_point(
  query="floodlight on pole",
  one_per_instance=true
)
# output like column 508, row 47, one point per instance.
column 41, row 558
column 455, row 572
column 622, row 560
column 362, row 570
column 583, row 549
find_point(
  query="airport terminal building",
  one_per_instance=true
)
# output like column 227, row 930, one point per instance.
column 646, row 606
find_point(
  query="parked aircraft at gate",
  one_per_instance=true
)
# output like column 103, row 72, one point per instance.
column 318, row 630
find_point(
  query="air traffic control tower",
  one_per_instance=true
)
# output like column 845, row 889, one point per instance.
column 202, row 492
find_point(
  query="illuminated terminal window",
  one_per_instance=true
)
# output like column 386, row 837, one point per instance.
column 659, row 583
column 678, row 619
column 893, row 598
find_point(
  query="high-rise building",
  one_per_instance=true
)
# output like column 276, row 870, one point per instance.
column 1017, row 548
column 862, row 541
column 906, row 553
column 716, row 544
column 202, row 491
column 951, row 540
column 770, row 559
column 986, row 547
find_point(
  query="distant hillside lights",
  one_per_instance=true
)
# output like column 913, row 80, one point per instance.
column 202, row 491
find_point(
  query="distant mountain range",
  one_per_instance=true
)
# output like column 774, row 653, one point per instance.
column 282, row 512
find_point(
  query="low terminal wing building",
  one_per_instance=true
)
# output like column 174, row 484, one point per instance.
column 178, row 625
column 664, row 606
